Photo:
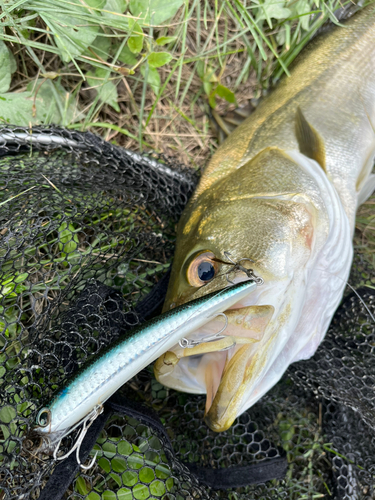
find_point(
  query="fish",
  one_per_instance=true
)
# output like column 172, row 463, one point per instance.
column 82, row 399
column 280, row 195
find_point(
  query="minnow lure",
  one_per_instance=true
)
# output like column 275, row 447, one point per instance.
column 80, row 402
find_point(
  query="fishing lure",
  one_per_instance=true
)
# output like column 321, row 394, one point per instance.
column 81, row 401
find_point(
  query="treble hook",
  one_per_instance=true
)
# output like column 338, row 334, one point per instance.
column 237, row 267
column 87, row 422
column 189, row 343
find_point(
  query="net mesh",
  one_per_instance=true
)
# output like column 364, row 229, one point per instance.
column 82, row 219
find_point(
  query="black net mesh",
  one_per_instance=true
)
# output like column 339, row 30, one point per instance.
column 87, row 229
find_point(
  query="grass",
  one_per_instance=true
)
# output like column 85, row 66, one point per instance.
column 147, row 80
column 144, row 83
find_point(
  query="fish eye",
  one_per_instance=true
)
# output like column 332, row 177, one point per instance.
column 44, row 417
column 202, row 268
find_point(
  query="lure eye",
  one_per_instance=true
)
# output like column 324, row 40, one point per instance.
column 44, row 417
column 202, row 269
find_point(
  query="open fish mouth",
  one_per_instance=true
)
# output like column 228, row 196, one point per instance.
column 223, row 366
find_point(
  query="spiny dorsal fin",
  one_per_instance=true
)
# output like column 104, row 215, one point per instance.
column 309, row 141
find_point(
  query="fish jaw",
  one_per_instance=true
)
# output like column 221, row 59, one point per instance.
column 302, row 302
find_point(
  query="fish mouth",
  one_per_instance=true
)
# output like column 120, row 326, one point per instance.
column 225, row 381
column 225, row 374
column 288, row 316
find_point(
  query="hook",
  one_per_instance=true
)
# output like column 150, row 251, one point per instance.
column 87, row 422
column 237, row 267
column 189, row 343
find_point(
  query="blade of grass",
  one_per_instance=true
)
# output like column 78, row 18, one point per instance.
column 174, row 67
column 255, row 28
column 183, row 49
column 16, row 196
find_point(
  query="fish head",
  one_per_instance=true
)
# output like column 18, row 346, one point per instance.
column 248, row 217
column 277, row 210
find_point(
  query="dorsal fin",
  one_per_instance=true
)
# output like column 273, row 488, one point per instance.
column 309, row 140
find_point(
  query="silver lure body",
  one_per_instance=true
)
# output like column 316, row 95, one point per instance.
column 123, row 360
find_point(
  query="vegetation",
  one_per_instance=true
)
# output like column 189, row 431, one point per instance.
column 145, row 72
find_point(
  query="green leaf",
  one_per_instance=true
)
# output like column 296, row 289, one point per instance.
column 153, row 78
column 124, row 494
column 212, row 100
column 117, row 480
column 94, row 496
column 146, row 475
column 107, row 91
column 200, row 69
column 164, row 40
column 109, row 495
column 300, row 8
column 21, row 278
column 16, row 290
column 48, row 109
column 13, row 62
column 206, row 72
column 226, row 94
column 140, row 492
column 9, row 327
column 114, row 7
column 157, row 488
column 71, row 34
column 118, row 464
column 101, row 46
column 157, row 10
column 129, row 478
column 124, row 448
column 68, row 239
column 271, row 9
column 7, row 289
column 81, row 486
column 127, row 57
column 105, row 464
column 5, row 70
column 207, row 86
column 7, row 414
column 17, row 108
column 135, row 42
column 157, row 59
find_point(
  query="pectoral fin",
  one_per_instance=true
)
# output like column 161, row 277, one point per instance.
column 309, row 140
